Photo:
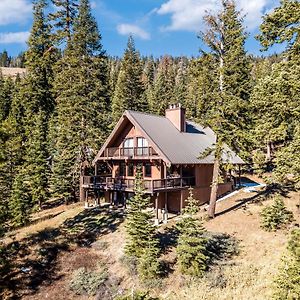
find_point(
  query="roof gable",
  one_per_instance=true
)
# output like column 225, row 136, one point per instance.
column 173, row 146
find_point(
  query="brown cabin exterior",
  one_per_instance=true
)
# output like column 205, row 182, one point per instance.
column 148, row 140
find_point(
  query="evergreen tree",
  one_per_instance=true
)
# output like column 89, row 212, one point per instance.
column 20, row 202
column 201, row 84
column 163, row 90
column 6, row 94
column 278, row 126
column 36, row 97
column 129, row 89
column 287, row 281
column 139, row 226
column 287, row 160
column 181, row 82
column 226, row 108
column 4, row 59
column 282, row 25
column 81, row 120
column 191, row 248
column 275, row 108
column 63, row 18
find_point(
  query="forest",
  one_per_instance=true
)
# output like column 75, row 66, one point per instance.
column 58, row 116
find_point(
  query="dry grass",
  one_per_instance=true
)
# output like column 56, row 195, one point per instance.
column 248, row 275
column 51, row 218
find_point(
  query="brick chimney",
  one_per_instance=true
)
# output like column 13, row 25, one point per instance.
column 176, row 114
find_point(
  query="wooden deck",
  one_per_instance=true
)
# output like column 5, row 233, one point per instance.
column 127, row 185
column 129, row 153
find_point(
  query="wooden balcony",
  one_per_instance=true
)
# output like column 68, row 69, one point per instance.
column 125, row 153
column 123, row 184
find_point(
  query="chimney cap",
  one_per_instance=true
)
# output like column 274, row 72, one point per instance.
column 175, row 106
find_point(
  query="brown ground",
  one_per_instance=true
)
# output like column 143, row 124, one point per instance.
column 77, row 238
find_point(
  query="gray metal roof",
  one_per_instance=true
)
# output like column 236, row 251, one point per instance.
column 181, row 147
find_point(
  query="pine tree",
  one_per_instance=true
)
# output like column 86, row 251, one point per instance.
column 4, row 59
column 20, row 203
column 181, row 82
column 149, row 266
column 201, row 84
column 81, row 119
column 277, row 92
column 225, row 111
column 281, row 92
column 139, row 226
column 287, row 281
column 63, row 18
column 12, row 150
column 129, row 89
column 282, row 26
column 191, row 248
column 36, row 97
column 287, row 160
column 6, row 94
column 163, row 90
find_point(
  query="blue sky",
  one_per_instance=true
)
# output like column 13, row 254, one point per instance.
column 158, row 26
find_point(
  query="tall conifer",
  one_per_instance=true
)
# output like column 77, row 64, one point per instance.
column 225, row 111
column 81, row 119
column 129, row 89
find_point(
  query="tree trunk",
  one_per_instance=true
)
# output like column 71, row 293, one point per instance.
column 269, row 151
column 214, row 189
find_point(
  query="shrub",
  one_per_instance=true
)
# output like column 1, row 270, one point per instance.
column 87, row 282
column 131, row 263
column 137, row 295
column 276, row 215
column 287, row 281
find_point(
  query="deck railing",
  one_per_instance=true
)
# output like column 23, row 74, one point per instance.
column 150, row 185
column 129, row 152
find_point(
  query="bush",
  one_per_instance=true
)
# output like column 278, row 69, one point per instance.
column 287, row 282
column 87, row 282
column 137, row 295
column 276, row 215
column 131, row 263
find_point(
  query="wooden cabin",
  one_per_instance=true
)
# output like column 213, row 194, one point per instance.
column 168, row 147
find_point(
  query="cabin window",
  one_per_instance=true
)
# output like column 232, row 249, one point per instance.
column 128, row 143
column 122, row 169
column 130, row 170
column 148, row 170
column 128, row 147
column 142, row 146
column 142, row 142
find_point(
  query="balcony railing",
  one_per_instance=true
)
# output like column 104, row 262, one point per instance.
column 123, row 184
column 133, row 152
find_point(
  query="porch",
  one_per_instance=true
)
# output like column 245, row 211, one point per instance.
column 127, row 185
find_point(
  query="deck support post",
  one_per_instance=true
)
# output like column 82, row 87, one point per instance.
column 181, row 201
column 240, row 183
column 111, row 200
column 156, row 220
column 181, row 183
column 81, row 190
column 86, row 201
column 165, row 215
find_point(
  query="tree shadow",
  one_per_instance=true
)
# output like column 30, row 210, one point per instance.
column 33, row 261
column 168, row 239
column 270, row 191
